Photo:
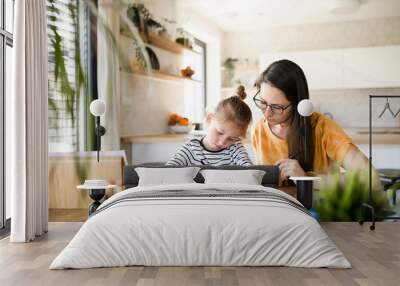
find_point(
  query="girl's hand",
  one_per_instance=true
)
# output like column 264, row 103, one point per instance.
column 290, row 168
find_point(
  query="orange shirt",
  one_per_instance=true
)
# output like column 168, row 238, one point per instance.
column 330, row 141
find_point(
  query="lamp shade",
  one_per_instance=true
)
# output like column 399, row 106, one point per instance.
column 305, row 107
column 98, row 107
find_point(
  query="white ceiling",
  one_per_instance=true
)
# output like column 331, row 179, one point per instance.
column 234, row 15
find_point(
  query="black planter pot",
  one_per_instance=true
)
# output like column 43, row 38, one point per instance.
column 305, row 193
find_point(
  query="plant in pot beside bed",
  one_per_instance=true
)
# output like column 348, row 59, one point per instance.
column 341, row 196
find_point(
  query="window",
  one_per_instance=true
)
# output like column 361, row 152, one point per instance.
column 9, row 16
column 201, row 47
column 63, row 94
column 69, row 30
column 6, row 44
column 195, row 93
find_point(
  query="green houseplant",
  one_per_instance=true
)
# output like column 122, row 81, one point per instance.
column 143, row 19
column 229, row 67
column 341, row 196
column 73, row 88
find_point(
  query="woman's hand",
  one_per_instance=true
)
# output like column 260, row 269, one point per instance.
column 290, row 168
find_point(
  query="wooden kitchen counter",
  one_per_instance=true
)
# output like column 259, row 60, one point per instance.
column 384, row 136
column 160, row 138
column 390, row 136
column 163, row 138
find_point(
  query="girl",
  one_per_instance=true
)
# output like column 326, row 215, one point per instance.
column 222, row 144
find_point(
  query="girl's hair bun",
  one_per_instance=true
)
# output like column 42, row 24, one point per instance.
column 240, row 92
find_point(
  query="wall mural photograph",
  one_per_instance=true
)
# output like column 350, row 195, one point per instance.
column 188, row 142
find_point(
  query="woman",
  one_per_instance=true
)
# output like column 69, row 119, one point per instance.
column 278, row 138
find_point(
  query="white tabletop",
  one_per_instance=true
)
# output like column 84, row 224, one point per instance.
column 86, row 187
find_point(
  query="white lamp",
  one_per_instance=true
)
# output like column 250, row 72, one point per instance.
column 305, row 109
column 304, row 184
column 98, row 108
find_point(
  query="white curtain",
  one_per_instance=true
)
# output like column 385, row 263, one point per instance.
column 26, row 119
column 108, row 75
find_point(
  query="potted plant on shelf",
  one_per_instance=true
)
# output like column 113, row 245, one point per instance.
column 184, row 38
column 154, row 27
column 172, row 27
column 133, row 14
column 143, row 19
column 229, row 68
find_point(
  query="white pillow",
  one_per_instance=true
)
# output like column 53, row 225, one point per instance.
column 164, row 176
column 248, row 177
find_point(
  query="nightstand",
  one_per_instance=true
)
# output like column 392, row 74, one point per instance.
column 96, row 193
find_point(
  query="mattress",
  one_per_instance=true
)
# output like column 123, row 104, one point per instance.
column 201, row 225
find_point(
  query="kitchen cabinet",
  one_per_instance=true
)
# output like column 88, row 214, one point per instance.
column 371, row 67
column 365, row 67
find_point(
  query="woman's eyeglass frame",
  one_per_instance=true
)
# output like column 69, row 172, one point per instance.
column 275, row 108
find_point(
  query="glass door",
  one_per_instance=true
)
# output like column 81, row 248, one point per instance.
column 6, row 65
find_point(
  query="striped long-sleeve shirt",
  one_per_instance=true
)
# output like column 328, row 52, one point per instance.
column 193, row 152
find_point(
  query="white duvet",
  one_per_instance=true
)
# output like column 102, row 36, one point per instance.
column 185, row 231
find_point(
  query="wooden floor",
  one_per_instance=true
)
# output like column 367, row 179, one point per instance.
column 68, row 215
column 375, row 257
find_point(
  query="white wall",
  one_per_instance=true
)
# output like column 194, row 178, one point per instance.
column 350, row 107
column 147, row 103
column 383, row 156
column 365, row 33
column 365, row 67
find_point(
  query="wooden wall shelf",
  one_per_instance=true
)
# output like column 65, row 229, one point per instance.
column 160, row 42
column 161, row 75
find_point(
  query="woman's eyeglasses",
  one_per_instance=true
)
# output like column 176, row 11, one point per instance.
column 263, row 105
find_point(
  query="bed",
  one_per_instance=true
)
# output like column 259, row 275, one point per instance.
column 201, row 224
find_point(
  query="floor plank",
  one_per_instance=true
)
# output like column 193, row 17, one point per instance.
column 375, row 257
column 68, row 215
